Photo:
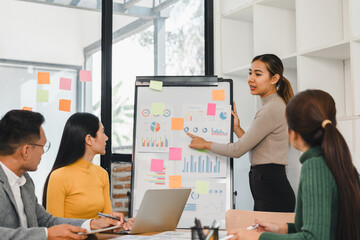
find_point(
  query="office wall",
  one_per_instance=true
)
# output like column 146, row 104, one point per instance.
column 319, row 50
column 45, row 33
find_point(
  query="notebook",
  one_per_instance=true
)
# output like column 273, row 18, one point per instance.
column 160, row 210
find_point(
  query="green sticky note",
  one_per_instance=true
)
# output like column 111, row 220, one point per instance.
column 202, row 150
column 157, row 109
column 202, row 187
column 42, row 96
column 156, row 85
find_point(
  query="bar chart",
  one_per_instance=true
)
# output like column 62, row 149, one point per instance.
column 201, row 164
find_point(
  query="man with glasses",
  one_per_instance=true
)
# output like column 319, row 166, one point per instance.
column 22, row 143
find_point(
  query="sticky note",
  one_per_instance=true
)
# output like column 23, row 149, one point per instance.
column 175, row 153
column 43, row 78
column 157, row 109
column 42, row 96
column 64, row 105
column 218, row 95
column 156, row 85
column 211, row 109
column 202, row 150
column 177, row 124
column 65, row 83
column 157, row 165
column 85, row 76
column 175, row 181
column 202, row 187
column 27, row 108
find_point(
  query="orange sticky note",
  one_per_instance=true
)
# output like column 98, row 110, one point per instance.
column 175, row 181
column 177, row 124
column 218, row 95
column 43, row 78
column 64, row 105
column 27, row 108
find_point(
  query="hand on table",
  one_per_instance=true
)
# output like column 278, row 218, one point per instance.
column 66, row 231
column 272, row 227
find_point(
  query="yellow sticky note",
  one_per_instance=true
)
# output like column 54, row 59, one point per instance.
column 43, row 78
column 218, row 95
column 64, row 105
column 202, row 187
column 27, row 108
column 157, row 109
column 177, row 124
column 175, row 181
column 156, row 85
column 42, row 96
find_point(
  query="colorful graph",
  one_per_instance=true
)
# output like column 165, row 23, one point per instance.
column 154, row 142
column 201, row 165
column 194, row 115
column 190, row 207
column 145, row 112
column 223, row 115
column 218, row 132
column 167, row 113
column 155, row 127
column 157, row 178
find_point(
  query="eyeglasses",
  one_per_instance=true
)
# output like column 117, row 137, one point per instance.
column 46, row 146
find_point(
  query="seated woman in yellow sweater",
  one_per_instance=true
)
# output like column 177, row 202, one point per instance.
column 76, row 188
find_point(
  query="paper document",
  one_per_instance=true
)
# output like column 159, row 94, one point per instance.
column 103, row 229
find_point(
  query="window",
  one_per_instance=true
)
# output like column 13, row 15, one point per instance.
column 41, row 36
column 154, row 38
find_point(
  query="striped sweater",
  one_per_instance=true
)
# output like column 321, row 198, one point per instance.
column 317, row 202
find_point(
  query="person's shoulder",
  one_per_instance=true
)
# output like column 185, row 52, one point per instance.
column 276, row 103
column 274, row 109
column 100, row 170
column 316, row 165
column 314, row 161
column 62, row 173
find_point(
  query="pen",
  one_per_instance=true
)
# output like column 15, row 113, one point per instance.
column 199, row 229
column 109, row 216
column 215, row 224
column 252, row 227
column 227, row 237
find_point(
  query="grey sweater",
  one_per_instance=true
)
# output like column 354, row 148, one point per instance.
column 266, row 138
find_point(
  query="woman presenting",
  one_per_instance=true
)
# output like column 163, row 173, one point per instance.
column 266, row 139
column 76, row 188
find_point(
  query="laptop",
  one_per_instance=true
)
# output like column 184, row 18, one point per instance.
column 160, row 210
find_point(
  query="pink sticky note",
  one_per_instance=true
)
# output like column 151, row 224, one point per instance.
column 65, row 83
column 85, row 76
column 175, row 153
column 157, row 165
column 211, row 109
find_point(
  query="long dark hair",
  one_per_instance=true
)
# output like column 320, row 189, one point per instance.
column 305, row 113
column 72, row 145
column 275, row 66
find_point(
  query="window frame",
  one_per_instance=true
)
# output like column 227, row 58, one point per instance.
column 106, row 73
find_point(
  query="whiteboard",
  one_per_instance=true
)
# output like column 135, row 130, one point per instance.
column 190, row 100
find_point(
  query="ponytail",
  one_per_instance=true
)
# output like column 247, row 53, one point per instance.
column 338, row 158
column 284, row 89
column 312, row 114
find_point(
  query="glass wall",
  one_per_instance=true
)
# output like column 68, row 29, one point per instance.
column 151, row 37
column 42, row 60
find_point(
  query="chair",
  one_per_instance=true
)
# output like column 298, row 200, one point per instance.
column 239, row 218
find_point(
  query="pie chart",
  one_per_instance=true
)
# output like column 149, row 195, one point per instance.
column 223, row 115
column 155, row 127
